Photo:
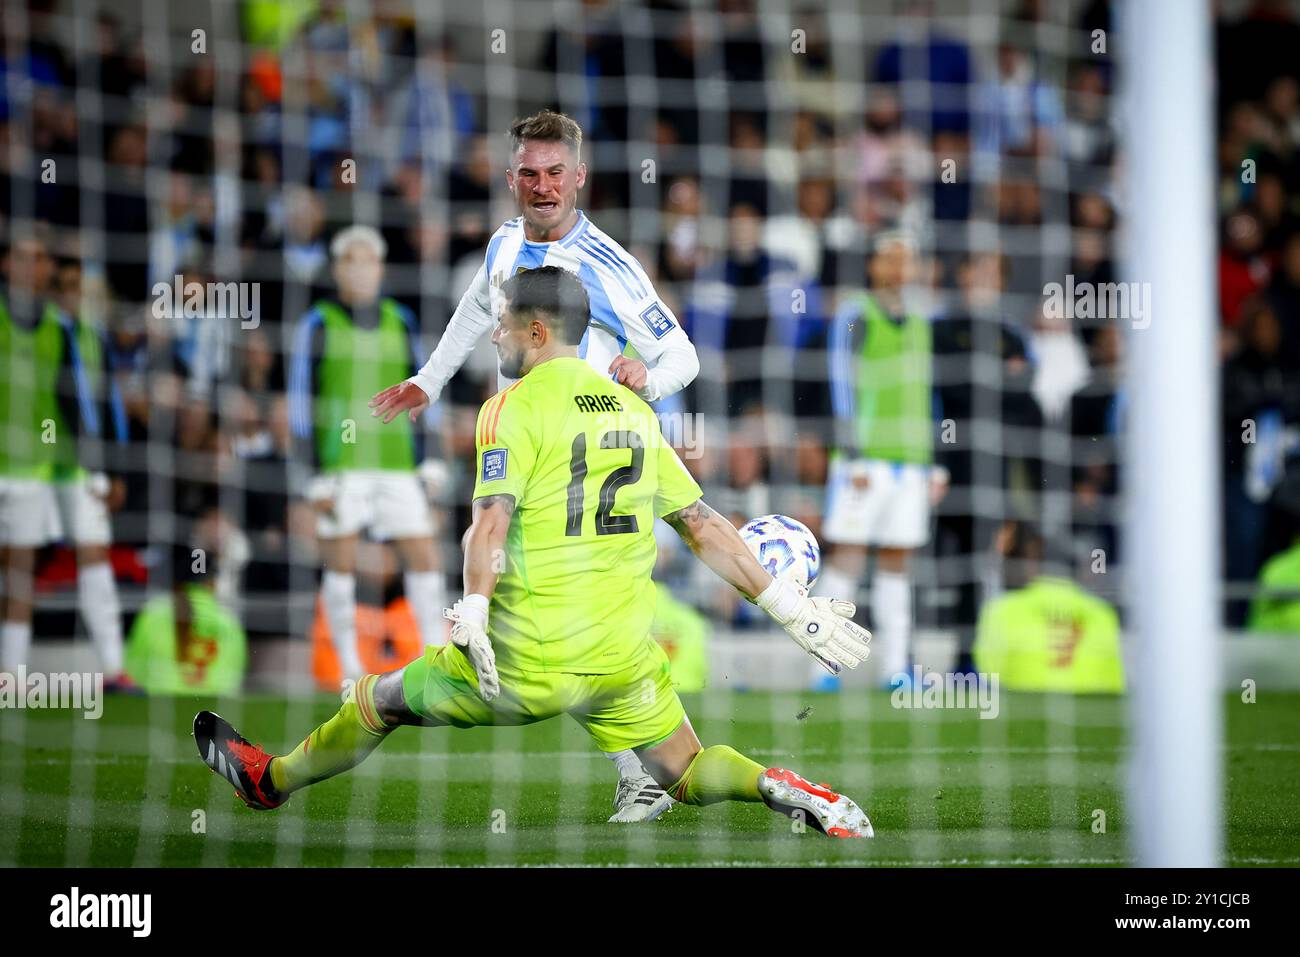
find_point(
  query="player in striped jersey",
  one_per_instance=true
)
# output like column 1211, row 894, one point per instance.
column 544, row 177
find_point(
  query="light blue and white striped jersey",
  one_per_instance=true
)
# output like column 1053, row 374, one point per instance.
column 624, row 307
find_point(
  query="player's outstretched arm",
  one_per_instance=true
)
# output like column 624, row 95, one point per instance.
column 716, row 542
column 484, row 547
column 403, row 397
column 820, row 626
column 472, row 318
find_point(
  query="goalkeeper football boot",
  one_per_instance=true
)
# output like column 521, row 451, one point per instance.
column 243, row 764
column 816, row 804
column 639, row 799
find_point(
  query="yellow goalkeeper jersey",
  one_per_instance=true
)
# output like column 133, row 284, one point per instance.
column 589, row 471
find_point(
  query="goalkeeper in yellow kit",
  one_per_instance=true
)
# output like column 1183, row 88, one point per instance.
column 572, row 473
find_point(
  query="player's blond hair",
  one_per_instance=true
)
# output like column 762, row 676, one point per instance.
column 548, row 126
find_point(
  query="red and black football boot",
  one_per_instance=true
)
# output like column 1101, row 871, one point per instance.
column 820, row 808
column 243, row 764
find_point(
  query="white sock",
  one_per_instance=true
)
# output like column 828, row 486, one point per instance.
column 339, row 592
column 891, row 610
column 628, row 764
column 428, row 596
column 836, row 583
column 100, row 609
column 15, row 643
column 833, row 583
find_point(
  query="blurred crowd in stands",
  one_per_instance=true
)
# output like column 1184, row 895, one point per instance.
column 747, row 164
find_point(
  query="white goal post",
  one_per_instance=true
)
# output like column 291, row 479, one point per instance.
column 1172, row 485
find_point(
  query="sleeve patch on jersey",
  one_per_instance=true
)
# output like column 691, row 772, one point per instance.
column 657, row 320
column 494, row 464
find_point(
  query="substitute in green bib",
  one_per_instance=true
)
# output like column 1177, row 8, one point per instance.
column 89, row 475
column 58, row 409
column 365, row 476
column 882, row 484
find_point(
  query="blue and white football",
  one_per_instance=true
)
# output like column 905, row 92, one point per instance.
column 784, row 547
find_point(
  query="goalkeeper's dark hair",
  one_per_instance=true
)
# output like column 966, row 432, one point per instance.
column 553, row 295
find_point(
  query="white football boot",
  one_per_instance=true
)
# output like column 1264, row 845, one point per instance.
column 639, row 799
column 819, row 807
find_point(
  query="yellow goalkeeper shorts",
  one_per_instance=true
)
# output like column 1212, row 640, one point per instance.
column 633, row 708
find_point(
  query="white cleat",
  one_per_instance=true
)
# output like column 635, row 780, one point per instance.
column 821, row 808
column 639, row 799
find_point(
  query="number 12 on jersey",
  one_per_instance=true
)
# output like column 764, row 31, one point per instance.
column 606, row 522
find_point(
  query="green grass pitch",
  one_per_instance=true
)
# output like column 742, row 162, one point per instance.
column 1043, row 783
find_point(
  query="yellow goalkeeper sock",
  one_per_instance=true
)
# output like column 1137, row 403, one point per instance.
column 341, row 743
column 719, row 773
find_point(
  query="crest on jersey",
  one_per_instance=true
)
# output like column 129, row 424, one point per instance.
column 494, row 464
column 657, row 320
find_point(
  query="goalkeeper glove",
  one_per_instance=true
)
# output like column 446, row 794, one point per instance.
column 469, row 633
column 820, row 626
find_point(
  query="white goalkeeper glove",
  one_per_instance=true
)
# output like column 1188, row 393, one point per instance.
column 470, row 633
column 820, row 626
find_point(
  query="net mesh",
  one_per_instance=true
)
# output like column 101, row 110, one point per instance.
column 750, row 155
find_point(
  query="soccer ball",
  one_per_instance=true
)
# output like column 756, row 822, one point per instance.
column 784, row 547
